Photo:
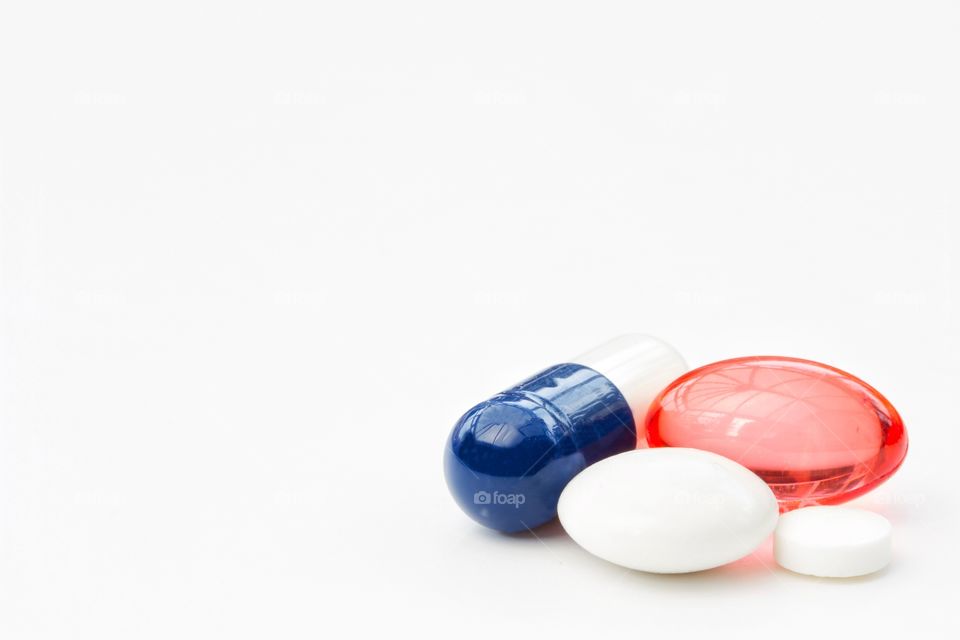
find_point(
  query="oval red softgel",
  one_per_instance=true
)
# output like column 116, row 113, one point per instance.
column 814, row 433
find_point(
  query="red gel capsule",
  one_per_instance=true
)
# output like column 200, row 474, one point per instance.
column 815, row 434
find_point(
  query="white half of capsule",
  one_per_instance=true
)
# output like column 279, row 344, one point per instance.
column 640, row 366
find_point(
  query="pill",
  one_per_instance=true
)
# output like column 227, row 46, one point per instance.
column 832, row 542
column 508, row 458
column 815, row 434
column 669, row 510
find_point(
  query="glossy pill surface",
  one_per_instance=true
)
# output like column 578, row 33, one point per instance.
column 670, row 510
column 508, row 458
column 814, row 433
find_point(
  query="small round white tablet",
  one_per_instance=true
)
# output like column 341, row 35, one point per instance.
column 832, row 542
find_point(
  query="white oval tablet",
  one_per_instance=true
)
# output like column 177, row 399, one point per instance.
column 668, row 510
column 832, row 542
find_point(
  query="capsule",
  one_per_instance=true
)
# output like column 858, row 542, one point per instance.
column 817, row 435
column 508, row 459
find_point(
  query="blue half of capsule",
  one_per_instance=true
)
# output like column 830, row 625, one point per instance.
column 508, row 459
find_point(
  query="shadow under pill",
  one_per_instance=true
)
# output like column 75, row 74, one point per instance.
column 549, row 530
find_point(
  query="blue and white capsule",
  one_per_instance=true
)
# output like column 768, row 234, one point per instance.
column 508, row 458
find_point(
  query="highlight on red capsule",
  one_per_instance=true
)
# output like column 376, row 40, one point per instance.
column 813, row 433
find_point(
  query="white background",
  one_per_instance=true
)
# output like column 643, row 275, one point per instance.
column 257, row 259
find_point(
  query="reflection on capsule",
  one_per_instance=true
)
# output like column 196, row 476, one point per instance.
column 508, row 458
column 814, row 433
